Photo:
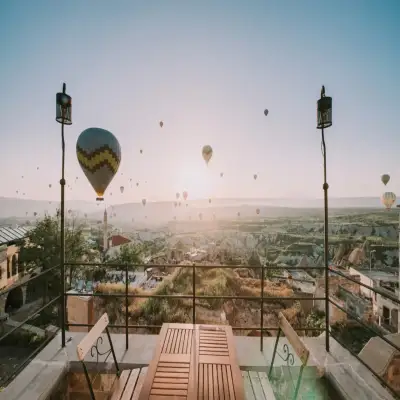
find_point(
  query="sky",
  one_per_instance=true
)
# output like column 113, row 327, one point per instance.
column 207, row 69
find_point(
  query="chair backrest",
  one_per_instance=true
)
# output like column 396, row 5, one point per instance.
column 297, row 345
column 91, row 343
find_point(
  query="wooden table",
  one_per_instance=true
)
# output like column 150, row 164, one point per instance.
column 194, row 362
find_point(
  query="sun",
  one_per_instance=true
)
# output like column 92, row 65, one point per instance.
column 197, row 179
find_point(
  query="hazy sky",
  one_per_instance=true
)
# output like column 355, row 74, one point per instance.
column 208, row 69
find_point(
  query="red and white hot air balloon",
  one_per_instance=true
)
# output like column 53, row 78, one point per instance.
column 185, row 195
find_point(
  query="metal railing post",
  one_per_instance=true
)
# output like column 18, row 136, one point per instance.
column 194, row 294
column 262, row 309
column 126, row 307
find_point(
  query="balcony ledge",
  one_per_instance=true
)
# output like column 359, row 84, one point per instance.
column 42, row 375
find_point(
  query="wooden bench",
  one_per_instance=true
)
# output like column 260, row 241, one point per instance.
column 287, row 356
column 127, row 384
column 194, row 362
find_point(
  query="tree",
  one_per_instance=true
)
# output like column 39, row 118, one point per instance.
column 42, row 248
column 129, row 254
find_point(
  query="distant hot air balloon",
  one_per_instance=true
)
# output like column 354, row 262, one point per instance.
column 175, row 218
column 258, row 211
column 179, row 203
column 185, row 195
column 16, row 191
column 34, row 214
column 238, row 214
column 385, row 178
column 207, row 153
column 255, row 176
column 209, row 200
column 122, row 189
column 26, row 213
column 133, row 219
column 144, row 201
column 265, row 112
column 69, row 211
column 221, row 174
column 85, row 215
column 37, row 168
column 137, row 184
column 200, row 216
column 115, row 214
column 50, row 185
column 22, row 177
column 388, row 199
column 177, row 195
column 141, row 151
column 161, row 124
column 175, row 204
column 99, row 155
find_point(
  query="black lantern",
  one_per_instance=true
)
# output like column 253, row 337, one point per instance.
column 64, row 108
column 324, row 111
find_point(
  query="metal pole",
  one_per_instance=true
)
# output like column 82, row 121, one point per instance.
column 262, row 309
column 194, row 294
column 62, row 258
column 126, row 307
column 326, row 255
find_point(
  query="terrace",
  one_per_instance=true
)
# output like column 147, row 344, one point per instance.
column 48, row 361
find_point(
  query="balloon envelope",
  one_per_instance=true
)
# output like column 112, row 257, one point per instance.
column 258, row 211
column 265, row 112
column 255, row 176
column 177, row 195
column 99, row 155
column 122, row 189
column 207, row 153
column 388, row 199
column 161, row 124
column 385, row 178
column 185, row 194
column 144, row 202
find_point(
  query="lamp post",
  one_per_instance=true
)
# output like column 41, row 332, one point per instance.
column 63, row 116
column 324, row 120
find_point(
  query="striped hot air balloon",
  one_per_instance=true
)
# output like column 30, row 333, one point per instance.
column 99, row 155
column 388, row 199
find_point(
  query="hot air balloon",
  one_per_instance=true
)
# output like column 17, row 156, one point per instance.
column 238, row 214
column 221, row 174
column 50, row 185
column 161, row 124
column 144, row 201
column 175, row 204
column 85, row 215
column 177, row 195
column 388, row 199
column 34, row 214
column 16, row 191
column 122, row 189
column 69, row 211
column 385, row 178
column 255, row 176
column 179, row 204
column 37, row 168
column 258, row 211
column 22, row 177
column 185, row 195
column 141, row 151
column 99, row 155
column 209, row 200
column 265, row 112
column 207, row 153
column 200, row 216
column 137, row 184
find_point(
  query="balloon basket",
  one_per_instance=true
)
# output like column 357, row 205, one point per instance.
column 99, row 199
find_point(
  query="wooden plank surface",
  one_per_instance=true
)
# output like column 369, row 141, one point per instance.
column 194, row 362
column 257, row 386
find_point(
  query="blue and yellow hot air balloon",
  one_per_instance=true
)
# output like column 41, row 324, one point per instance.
column 99, row 155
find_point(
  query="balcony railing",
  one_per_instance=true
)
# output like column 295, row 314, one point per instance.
column 263, row 299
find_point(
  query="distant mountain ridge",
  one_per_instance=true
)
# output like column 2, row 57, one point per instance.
column 20, row 208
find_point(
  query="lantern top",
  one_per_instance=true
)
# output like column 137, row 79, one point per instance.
column 64, row 107
column 324, row 111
